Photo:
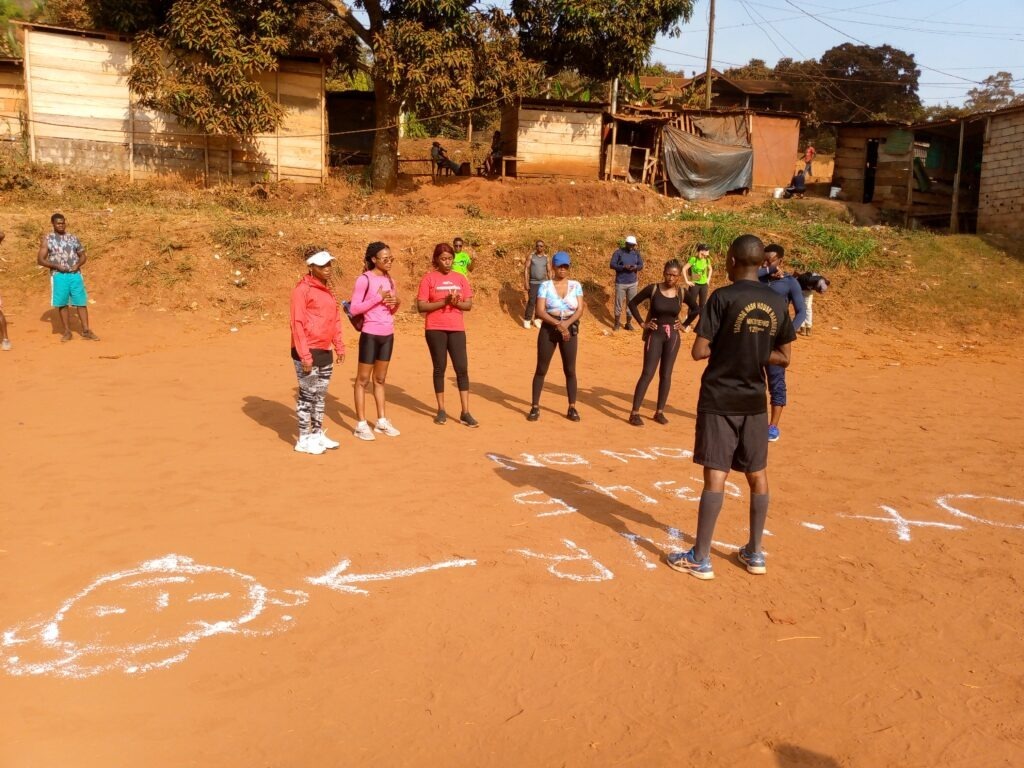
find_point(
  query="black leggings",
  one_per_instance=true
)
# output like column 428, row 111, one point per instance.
column 442, row 344
column 548, row 338
column 660, row 352
column 695, row 297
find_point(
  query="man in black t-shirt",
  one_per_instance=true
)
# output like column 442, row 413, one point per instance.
column 744, row 327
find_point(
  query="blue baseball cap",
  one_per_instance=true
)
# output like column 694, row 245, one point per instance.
column 560, row 259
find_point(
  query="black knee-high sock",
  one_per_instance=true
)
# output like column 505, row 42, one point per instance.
column 758, row 516
column 707, row 516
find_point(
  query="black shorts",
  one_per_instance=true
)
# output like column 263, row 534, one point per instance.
column 373, row 348
column 732, row 442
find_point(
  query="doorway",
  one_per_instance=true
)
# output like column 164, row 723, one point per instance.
column 870, row 168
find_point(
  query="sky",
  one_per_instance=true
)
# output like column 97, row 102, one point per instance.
column 956, row 43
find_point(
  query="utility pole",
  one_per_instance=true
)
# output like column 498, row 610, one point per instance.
column 711, row 42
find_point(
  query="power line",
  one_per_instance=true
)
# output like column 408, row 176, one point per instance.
column 862, row 42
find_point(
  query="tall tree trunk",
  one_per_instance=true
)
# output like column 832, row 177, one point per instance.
column 384, row 166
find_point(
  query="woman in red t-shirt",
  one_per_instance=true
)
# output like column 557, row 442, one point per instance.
column 443, row 296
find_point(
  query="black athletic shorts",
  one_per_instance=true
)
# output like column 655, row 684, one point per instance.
column 373, row 348
column 732, row 442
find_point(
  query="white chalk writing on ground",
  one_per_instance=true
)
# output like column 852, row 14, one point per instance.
column 338, row 580
column 69, row 645
column 575, row 459
column 581, row 555
column 902, row 524
column 946, row 503
column 560, row 507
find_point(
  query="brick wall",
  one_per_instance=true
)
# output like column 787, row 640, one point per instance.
column 1001, row 199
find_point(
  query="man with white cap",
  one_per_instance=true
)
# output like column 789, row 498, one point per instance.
column 316, row 329
column 627, row 263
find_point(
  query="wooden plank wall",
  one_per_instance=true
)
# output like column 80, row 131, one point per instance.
column 890, row 175
column 83, row 116
column 12, row 101
column 554, row 143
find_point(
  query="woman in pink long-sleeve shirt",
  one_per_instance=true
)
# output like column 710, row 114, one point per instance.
column 375, row 298
column 316, row 330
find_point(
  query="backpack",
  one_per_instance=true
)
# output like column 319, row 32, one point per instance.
column 812, row 281
column 357, row 320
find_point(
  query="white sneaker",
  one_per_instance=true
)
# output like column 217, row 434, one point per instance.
column 538, row 322
column 363, row 431
column 325, row 441
column 309, row 444
column 385, row 426
column 5, row 345
column 526, row 323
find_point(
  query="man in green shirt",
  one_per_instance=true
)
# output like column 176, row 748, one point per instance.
column 463, row 263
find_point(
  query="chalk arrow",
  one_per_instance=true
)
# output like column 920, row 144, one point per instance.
column 338, row 580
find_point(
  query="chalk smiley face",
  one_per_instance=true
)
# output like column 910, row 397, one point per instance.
column 145, row 618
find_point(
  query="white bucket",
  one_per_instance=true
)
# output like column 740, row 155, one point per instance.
column 779, row 192
column 833, row 193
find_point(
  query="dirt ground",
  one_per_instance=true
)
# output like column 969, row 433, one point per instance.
column 178, row 587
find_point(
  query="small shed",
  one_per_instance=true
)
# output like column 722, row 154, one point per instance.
column 12, row 99
column 81, row 113
column 554, row 138
column 1001, row 191
column 872, row 162
column 706, row 153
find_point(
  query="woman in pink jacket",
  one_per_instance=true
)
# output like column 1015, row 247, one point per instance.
column 316, row 329
column 375, row 299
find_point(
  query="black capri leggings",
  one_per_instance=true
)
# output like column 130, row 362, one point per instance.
column 695, row 297
column 660, row 351
column 547, row 339
column 442, row 344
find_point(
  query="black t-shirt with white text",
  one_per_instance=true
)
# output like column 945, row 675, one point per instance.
column 744, row 322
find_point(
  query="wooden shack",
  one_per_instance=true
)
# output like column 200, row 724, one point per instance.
column 12, row 99
column 872, row 162
column 82, row 114
column 635, row 147
column 553, row 138
column 1001, row 191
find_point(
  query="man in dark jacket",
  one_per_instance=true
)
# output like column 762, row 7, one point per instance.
column 627, row 263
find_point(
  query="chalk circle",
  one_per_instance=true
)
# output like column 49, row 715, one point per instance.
column 946, row 502
column 144, row 618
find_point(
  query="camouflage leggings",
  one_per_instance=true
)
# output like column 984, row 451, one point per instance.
column 309, row 407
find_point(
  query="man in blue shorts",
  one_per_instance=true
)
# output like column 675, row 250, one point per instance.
column 63, row 254
column 744, row 327
column 773, row 275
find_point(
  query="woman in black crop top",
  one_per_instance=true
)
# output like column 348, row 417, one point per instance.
column 661, row 338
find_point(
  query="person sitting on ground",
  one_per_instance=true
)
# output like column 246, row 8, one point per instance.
column 5, row 343
column 797, row 186
column 493, row 162
column 440, row 157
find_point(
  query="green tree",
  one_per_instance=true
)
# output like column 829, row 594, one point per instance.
column 996, row 91
column 755, row 69
column 862, row 82
column 597, row 38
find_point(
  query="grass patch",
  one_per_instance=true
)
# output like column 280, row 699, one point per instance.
column 840, row 245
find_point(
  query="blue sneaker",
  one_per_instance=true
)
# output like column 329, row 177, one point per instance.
column 753, row 560
column 687, row 562
column 773, row 433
